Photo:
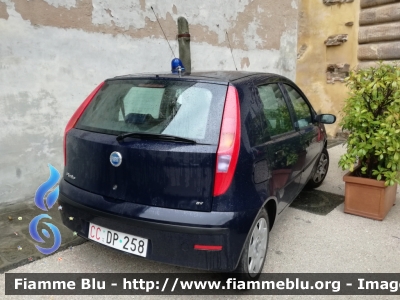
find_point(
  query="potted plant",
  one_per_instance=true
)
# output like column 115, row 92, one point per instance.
column 372, row 116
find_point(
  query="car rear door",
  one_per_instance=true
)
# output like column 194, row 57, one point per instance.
column 280, row 142
column 305, row 123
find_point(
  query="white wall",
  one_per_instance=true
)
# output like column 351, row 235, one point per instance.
column 47, row 71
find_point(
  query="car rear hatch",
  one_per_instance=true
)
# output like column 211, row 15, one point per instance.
column 149, row 141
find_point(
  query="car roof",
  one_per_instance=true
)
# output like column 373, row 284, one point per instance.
column 214, row 76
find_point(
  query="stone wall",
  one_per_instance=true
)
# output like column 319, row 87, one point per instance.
column 379, row 34
column 54, row 52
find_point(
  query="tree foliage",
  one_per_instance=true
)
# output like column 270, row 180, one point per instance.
column 372, row 116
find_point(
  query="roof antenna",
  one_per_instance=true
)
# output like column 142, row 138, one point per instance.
column 231, row 49
column 163, row 31
column 176, row 64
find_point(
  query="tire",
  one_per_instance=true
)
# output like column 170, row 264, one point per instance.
column 320, row 172
column 255, row 249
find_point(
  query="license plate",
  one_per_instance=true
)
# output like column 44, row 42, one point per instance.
column 118, row 240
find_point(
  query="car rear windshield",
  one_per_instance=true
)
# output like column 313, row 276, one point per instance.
column 186, row 109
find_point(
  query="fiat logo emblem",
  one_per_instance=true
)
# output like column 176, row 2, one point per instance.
column 116, row 159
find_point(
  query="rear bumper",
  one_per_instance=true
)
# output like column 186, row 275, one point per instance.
column 172, row 233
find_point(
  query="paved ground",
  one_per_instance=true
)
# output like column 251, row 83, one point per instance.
column 300, row 242
column 17, row 247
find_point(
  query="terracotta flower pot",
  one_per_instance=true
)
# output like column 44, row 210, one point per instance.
column 368, row 198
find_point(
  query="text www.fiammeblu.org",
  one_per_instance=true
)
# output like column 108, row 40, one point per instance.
column 231, row 284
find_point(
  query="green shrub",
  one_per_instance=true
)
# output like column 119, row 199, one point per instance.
column 372, row 116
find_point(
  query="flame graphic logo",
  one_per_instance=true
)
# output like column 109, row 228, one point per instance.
column 35, row 234
column 45, row 187
column 46, row 203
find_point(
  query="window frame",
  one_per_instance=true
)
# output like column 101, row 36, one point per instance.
column 290, row 104
column 278, row 83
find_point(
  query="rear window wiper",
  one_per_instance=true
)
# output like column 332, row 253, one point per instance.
column 155, row 136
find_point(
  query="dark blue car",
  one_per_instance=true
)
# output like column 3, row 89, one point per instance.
column 190, row 170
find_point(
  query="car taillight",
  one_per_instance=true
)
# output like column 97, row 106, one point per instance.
column 75, row 117
column 229, row 143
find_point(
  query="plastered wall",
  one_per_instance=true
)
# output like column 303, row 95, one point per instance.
column 327, row 50
column 336, row 36
column 54, row 52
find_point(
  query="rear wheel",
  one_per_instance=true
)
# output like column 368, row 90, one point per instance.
column 321, row 170
column 255, row 249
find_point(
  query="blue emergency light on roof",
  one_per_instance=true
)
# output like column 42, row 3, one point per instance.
column 176, row 63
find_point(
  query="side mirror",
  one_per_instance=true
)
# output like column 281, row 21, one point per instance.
column 326, row 118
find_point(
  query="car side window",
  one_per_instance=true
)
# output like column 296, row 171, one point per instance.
column 300, row 106
column 275, row 109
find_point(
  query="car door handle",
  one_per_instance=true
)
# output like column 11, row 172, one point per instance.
column 279, row 152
